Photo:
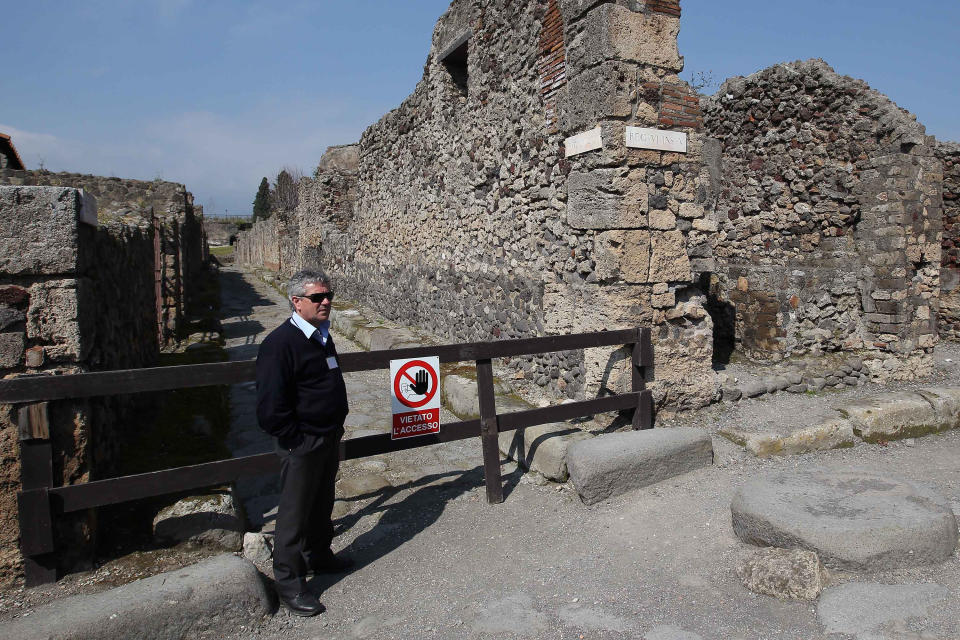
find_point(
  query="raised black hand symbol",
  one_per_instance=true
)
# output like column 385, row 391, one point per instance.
column 421, row 383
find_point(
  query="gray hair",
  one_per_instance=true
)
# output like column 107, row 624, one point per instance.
column 297, row 284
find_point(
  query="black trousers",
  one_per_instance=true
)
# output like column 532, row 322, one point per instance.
column 304, row 531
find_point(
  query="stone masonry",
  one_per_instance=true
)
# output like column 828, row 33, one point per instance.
column 470, row 221
column 949, row 154
column 74, row 297
column 182, row 248
column 828, row 212
column 809, row 213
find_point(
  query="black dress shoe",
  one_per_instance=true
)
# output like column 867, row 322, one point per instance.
column 332, row 564
column 303, row 604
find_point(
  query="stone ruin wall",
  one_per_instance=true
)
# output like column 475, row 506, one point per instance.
column 829, row 220
column 183, row 245
column 73, row 298
column 949, row 154
column 470, row 222
column 292, row 240
column 806, row 216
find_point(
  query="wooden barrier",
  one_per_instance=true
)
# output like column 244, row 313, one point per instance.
column 39, row 500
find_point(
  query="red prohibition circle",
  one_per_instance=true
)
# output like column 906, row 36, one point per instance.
column 433, row 383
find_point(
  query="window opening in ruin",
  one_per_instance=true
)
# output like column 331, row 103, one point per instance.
column 454, row 59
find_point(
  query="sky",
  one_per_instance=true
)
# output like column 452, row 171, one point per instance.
column 218, row 94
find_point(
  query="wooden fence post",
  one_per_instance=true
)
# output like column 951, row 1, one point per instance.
column 488, row 432
column 33, row 501
column 642, row 358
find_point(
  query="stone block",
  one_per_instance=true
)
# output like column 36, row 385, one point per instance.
column 345, row 322
column 622, row 255
column 853, row 519
column 11, row 349
column 946, row 404
column 598, row 94
column 832, row 434
column 206, row 520
column 459, row 394
column 662, row 220
column 38, row 230
column 615, row 463
column 257, row 547
column 669, row 261
column 542, row 448
column 614, row 32
column 787, row 574
column 892, row 416
column 201, row 600
column 607, row 199
column 55, row 317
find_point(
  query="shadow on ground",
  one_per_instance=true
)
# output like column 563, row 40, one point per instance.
column 402, row 521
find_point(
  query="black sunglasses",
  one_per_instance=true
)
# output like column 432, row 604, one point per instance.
column 317, row 298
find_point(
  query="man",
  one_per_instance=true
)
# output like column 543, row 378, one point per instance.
column 302, row 402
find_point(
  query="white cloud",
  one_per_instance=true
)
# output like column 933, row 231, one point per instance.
column 217, row 156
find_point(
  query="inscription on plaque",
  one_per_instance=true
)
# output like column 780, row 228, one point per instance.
column 643, row 138
column 582, row 142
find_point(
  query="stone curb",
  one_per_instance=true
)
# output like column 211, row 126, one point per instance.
column 542, row 448
column 875, row 419
column 218, row 593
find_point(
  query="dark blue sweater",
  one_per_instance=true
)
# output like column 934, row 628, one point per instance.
column 296, row 391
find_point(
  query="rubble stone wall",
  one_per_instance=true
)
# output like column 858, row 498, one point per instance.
column 828, row 206
column 949, row 154
column 182, row 238
column 471, row 222
column 73, row 298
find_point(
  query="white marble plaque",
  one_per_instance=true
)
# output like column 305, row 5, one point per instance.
column 583, row 142
column 643, row 138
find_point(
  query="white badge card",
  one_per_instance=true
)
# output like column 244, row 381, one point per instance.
column 332, row 362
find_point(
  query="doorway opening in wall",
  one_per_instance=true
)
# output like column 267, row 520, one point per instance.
column 724, row 317
column 454, row 59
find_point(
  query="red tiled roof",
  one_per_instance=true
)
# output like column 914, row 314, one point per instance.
column 7, row 148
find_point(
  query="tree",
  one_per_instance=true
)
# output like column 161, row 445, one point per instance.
column 286, row 192
column 261, row 204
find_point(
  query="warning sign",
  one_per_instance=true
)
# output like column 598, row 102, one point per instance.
column 414, row 384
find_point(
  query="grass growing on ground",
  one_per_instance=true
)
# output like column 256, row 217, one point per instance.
column 222, row 251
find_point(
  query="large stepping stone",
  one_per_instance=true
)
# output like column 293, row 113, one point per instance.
column 854, row 519
column 615, row 463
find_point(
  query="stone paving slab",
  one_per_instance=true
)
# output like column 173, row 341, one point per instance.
column 221, row 592
column 874, row 419
column 615, row 463
column 854, row 519
column 872, row 610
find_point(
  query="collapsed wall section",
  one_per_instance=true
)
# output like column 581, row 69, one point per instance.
column 949, row 154
column 181, row 251
column 829, row 210
column 74, row 297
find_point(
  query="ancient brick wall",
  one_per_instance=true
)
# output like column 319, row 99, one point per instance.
column 949, row 155
column 828, row 208
column 183, row 243
column 73, row 297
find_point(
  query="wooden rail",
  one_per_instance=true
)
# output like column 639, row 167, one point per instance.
column 39, row 500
